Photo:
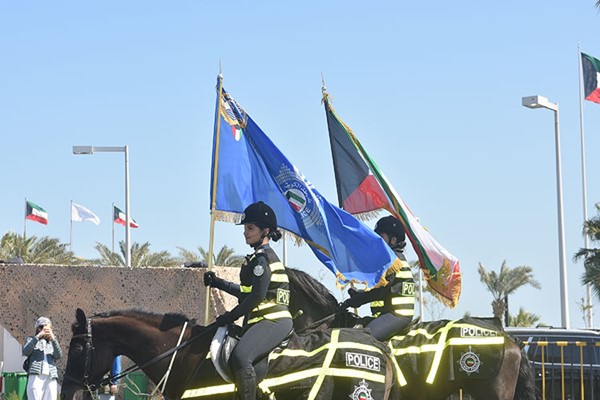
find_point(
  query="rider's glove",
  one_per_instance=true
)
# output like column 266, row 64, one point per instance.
column 210, row 279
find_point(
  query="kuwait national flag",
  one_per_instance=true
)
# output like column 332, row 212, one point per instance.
column 591, row 77
column 120, row 218
column 363, row 189
column 35, row 213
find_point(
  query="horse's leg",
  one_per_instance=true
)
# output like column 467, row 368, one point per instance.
column 502, row 387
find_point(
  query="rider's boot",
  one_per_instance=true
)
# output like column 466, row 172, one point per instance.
column 245, row 381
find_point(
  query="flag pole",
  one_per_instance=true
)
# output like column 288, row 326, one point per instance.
column 25, row 221
column 284, row 249
column 589, row 312
column 112, row 211
column 213, row 204
column 71, row 218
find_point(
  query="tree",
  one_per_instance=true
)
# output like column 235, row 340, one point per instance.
column 506, row 283
column 224, row 258
column 34, row 250
column 524, row 319
column 141, row 256
column 591, row 257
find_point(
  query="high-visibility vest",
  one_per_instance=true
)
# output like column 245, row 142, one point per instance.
column 275, row 305
column 400, row 297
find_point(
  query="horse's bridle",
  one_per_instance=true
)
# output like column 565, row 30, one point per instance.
column 89, row 348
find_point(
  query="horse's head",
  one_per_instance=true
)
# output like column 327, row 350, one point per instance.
column 89, row 358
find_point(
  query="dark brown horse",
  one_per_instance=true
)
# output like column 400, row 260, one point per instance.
column 512, row 379
column 145, row 337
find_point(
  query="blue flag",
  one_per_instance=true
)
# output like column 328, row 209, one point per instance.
column 250, row 168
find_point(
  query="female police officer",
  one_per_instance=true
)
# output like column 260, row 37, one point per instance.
column 263, row 298
column 392, row 305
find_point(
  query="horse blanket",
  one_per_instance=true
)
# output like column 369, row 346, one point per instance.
column 469, row 348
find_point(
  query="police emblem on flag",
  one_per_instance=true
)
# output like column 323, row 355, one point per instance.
column 362, row 392
column 298, row 194
column 234, row 115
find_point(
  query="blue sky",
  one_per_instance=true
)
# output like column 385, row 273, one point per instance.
column 433, row 91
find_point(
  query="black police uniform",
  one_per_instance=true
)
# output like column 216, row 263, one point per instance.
column 392, row 305
column 263, row 299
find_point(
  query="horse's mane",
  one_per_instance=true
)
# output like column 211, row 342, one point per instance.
column 305, row 287
column 163, row 321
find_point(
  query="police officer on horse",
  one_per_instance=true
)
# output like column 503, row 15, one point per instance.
column 263, row 298
column 392, row 305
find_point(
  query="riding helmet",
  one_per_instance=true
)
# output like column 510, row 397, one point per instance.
column 259, row 214
column 391, row 226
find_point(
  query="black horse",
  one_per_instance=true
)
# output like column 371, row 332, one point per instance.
column 512, row 378
column 341, row 363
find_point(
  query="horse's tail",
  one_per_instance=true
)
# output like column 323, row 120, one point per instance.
column 392, row 389
column 526, row 388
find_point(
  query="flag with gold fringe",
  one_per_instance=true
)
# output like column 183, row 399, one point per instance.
column 363, row 189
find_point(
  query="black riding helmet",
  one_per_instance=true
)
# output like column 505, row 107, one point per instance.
column 260, row 215
column 392, row 227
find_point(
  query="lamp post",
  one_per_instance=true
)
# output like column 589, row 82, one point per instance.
column 112, row 149
column 542, row 102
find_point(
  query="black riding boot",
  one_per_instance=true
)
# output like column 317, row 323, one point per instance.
column 245, row 381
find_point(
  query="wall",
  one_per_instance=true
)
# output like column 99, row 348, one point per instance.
column 30, row 291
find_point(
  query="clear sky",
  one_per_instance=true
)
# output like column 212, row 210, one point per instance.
column 433, row 91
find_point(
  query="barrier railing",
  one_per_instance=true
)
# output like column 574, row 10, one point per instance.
column 577, row 371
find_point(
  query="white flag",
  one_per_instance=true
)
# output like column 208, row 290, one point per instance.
column 80, row 214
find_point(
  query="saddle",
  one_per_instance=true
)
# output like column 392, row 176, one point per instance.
column 222, row 345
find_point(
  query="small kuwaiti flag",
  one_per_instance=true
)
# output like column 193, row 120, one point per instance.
column 120, row 218
column 35, row 213
column 80, row 213
column 591, row 77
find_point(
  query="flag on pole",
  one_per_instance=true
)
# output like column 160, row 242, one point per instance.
column 119, row 217
column 363, row 189
column 36, row 213
column 250, row 168
column 591, row 77
column 80, row 213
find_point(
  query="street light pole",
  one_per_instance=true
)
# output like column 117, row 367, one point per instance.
column 542, row 102
column 112, row 149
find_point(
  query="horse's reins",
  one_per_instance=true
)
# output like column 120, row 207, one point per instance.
column 319, row 322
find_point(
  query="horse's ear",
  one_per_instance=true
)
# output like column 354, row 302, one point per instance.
column 80, row 317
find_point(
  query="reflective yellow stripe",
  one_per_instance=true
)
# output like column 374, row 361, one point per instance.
column 335, row 334
column 277, row 266
column 245, row 289
column 405, row 313
column 428, row 335
column 404, row 274
column 272, row 316
column 480, row 341
column 438, row 353
column 399, row 374
column 208, row 391
column 378, row 303
column 279, row 278
column 339, row 345
column 403, row 300
column 267, row 384
column 264, row 306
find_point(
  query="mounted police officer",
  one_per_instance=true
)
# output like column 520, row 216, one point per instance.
column 263, row 298
column 392, row 305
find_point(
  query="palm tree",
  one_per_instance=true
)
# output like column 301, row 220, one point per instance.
column 141, row 256
column 505, row 283
column 34, row 250
column 226, row 257
column 524, row 319
column 591, row 257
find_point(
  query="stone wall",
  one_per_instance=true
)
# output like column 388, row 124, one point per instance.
column 30, row 291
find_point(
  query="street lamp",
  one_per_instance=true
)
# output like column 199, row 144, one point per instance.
column 542, row 102
column 112, row 149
